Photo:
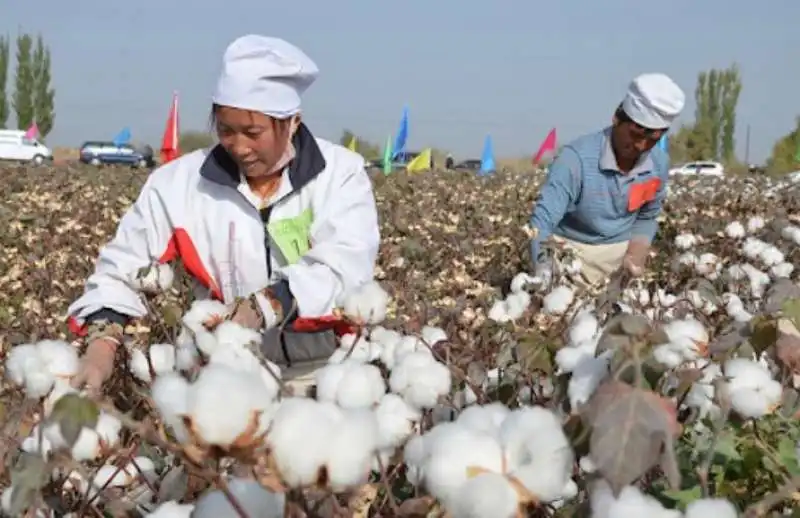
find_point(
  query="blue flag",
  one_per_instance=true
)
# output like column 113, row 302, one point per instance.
column 402, row 135
column 123, row 137
column 487, row 158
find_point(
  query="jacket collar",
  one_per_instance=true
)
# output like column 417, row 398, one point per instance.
column 608, row 162
column 308, row 162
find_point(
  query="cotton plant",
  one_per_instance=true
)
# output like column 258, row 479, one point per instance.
column 492, row 460
column 154, row 278
column 367, row 304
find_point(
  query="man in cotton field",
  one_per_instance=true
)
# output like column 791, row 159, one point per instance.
column 604, row 190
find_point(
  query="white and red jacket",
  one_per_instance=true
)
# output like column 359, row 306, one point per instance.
column 198, row 209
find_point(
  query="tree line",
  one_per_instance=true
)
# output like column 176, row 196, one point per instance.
column 33, row 96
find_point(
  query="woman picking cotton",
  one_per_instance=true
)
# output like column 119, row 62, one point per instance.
column 274, row 223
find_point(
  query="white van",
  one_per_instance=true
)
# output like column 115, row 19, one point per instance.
column 14, row 146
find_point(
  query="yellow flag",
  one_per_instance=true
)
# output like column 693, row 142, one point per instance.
column 352, row 144
column 421, row 162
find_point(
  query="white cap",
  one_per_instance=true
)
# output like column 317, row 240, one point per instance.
column 266, row 75
column 653, row 101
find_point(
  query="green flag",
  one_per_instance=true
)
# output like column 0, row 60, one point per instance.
column 797, row 153
column 387, row 156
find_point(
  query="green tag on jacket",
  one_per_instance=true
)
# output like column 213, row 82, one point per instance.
column 292, row 235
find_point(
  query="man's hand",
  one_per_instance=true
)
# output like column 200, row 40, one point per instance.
column 635, row 258
column 97, row 365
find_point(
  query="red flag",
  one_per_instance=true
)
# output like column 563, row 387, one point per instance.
column 169, row 143
column 548, row 146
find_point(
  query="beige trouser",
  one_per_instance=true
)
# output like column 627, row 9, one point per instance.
column 599, row 261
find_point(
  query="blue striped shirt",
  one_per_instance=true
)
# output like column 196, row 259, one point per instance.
column 585, row 196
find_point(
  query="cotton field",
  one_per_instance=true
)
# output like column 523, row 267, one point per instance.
column 469, row 387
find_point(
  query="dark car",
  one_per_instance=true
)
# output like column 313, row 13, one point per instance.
column 469, row 165
column 108, row 153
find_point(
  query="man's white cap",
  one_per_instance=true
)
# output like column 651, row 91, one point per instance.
column 266, row 75
column 653, row 101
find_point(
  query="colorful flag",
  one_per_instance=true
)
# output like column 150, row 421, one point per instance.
column 548, row 146
column 487, row 157
column 421, row 162
column 32, row 133
column 387, row 156
column 169, row 143
column 123, row 137
column 402, row 135
column 352, row 144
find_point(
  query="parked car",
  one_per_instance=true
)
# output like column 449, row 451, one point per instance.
column 702, row 168
column 98, row 153
column 469, row 165
column 14, row 146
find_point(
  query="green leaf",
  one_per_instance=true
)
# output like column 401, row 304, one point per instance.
column 788, row 456
column 685, row 496
column 791, row 310
column 28, row 475
column 764, row 333
column 71, row 414
column 726, row 446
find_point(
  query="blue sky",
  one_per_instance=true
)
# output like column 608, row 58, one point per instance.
column 466, row 68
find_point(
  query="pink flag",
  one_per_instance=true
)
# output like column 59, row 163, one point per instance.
column 548, row 146
column 32, row 132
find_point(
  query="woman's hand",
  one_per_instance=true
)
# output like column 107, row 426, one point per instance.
column 636, row 257
column 97, row 365
column 258, row 311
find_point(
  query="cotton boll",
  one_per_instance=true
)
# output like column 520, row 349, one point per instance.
column 60, row 358
column 255, row 501
column 486, row 419
column 420, row 379
column 499, row 312
column 231, row 334
column 224, row 403
column 299, row 438
column 173, row 509
column 356, row 348
column 157, row 278
column 771, row 256
column 186, row 357
column 433, row 335
column 664, row 299
column 488, row 495
column 351, row 449
column 170, row 393
column 708, row 265
column 87, row 446
column 368, row 303
column 161, row 358
column 706, row 507
column 350, row 384
column 573, row 266
column 586, row 377
column 407, row 345
column 752, row 391
column 735, row 230
column 558, row 301
column 688, row 341
column 242, row 359
column 452, row 451
column 516, row 304
column 754, row 224
column 396, row 420
column 685, row 241
column 36, row 442
column 702, row 393
column 521, row 281
column 782, row 270
column 792, row 233
column 108, row 428
column 583, row 328
column 202, row 312
column 631, row 503
column 17, row 361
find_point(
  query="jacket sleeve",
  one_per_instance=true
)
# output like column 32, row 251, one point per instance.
column 558, row 193
column 142, row 235
column 345, row 238
column 645, row 225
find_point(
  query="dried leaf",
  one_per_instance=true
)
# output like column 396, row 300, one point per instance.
column 763, row 333
column 363, row 499
column 629, row 429
column 416, row 507
column 476, row 373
